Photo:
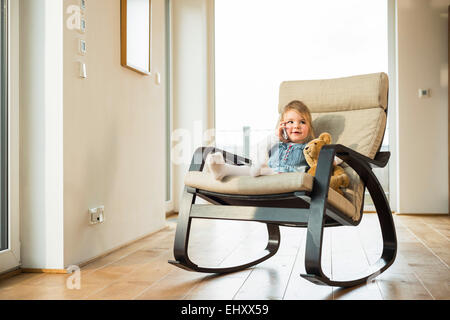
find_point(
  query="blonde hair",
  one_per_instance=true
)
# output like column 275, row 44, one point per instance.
column 302, row 109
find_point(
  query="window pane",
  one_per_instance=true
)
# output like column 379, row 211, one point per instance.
column 261, row 43
column 3, row 133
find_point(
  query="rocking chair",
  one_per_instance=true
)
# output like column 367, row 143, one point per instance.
column 354, row 111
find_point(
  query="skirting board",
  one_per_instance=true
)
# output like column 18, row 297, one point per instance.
column 16, row 272
column 49, row 271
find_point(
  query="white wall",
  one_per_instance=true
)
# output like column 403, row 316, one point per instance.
column 87, row 142
column 193, row 109
column 422, row 123
column 114, row 136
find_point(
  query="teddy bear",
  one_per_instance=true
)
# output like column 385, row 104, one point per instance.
column 339, row 178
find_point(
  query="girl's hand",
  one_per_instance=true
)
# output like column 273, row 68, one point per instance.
column 280, row 132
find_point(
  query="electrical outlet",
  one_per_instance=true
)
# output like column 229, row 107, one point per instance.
column 424, row 93
column 97, row 215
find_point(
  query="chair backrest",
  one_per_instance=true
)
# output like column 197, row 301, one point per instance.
column 351, row 109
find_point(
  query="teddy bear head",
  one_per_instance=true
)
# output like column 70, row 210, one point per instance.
column 313, row 148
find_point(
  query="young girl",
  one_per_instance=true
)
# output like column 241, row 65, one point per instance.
column 286, row 151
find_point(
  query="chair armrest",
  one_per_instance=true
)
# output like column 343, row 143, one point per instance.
column 199, row 158
column 380, row 161
column 360, row 163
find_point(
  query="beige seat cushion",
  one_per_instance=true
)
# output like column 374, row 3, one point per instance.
column 360, row 130
column 274, row 184
column 352, row 110
column 342, row 94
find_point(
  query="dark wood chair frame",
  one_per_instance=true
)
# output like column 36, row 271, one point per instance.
column 294, row 209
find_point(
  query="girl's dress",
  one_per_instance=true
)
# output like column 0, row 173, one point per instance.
column 288, row 157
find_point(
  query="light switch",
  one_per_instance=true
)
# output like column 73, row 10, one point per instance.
column 82, row 47
column 83, row 25
column 83, row 72
column 158, row 78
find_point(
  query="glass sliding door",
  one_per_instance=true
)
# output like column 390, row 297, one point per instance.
column 9, row 136
column 4, row 129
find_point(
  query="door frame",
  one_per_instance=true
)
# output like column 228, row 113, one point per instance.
column 10, row 258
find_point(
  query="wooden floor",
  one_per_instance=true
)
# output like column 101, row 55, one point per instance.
column 141, row 271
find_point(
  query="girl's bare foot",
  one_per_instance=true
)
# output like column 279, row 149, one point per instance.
column 216, row 165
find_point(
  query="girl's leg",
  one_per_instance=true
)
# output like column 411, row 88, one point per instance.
column 220, row 169
column 261, row 170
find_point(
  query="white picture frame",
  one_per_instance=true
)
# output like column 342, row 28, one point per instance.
column 136, row 35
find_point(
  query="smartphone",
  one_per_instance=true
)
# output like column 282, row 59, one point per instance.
column 285, row 135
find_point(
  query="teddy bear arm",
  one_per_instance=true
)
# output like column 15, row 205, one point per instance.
column 341, row 177
column 312, row 170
